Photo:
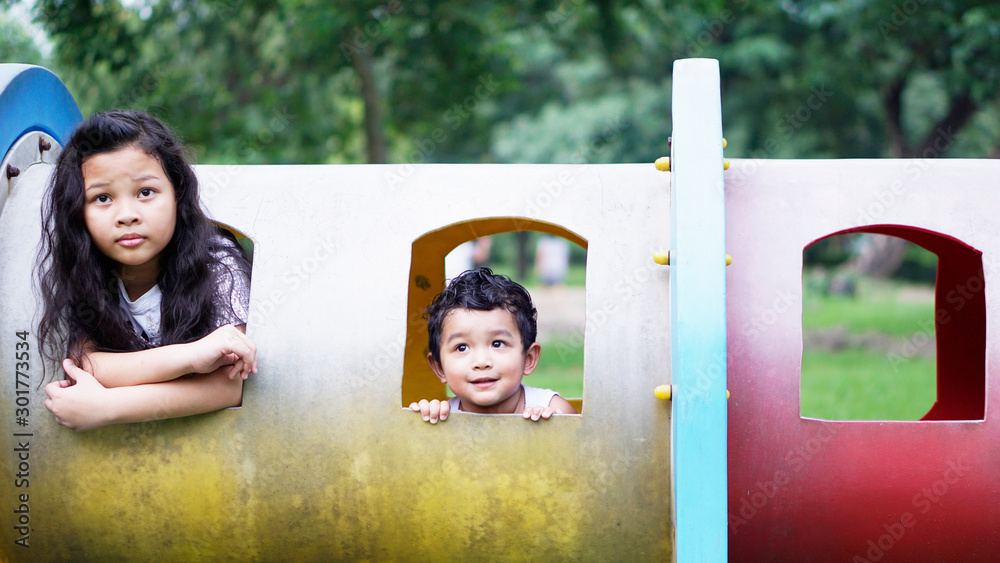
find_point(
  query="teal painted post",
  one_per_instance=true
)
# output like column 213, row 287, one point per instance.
column 698, row 313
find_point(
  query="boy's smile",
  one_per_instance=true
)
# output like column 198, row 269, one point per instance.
column 483, row 359
column 130, row 211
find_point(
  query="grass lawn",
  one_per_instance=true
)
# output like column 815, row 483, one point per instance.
column 560, row 368
column 878, row 306
column 864, row 385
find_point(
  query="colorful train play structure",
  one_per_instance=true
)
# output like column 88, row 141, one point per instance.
column 322, row 463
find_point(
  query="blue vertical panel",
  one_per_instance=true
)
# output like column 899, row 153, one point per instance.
column 698, row 312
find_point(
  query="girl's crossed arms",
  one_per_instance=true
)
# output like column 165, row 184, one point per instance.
column 166, row 382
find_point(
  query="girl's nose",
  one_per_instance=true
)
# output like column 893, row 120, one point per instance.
column 127, row 215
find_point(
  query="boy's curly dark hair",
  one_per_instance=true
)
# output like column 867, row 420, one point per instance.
column 77, row 284
column 481, row 290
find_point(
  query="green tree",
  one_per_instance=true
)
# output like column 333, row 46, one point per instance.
column 16, row 44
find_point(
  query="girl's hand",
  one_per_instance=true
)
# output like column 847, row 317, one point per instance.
column 78, row 404
column 226, row 346
column 431, row 411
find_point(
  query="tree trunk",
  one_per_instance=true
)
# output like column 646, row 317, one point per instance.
column 374, row 133
column 880, row 256
column 884, row 254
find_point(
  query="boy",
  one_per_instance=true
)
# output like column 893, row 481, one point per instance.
column 481, row 336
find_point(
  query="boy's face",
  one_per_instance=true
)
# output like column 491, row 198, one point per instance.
column 483, row 360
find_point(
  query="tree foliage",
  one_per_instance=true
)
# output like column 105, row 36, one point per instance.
column 534, row 80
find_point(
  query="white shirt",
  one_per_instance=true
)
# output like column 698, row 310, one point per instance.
column 144, row 312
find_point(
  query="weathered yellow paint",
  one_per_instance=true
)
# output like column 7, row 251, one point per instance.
column 321, row 463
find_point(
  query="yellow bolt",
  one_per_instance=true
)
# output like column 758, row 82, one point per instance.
column 727, row 394
column 725, row 164
column 662, row 258
column 729, row 259
column 723, row 142
column 663, row 392
column 662, row 164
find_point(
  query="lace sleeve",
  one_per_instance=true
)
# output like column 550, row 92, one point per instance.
column 232, row 282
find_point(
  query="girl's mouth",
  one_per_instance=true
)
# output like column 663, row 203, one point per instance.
column 131, row 240
column 483, row 382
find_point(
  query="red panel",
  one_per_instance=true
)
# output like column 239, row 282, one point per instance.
column 856, row 491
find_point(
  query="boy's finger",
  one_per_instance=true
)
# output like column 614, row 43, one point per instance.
column 425, row 410
column 435, row 411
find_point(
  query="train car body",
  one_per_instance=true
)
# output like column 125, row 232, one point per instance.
column 323, row 462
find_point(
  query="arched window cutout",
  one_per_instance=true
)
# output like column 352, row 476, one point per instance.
column 247, row 245
column 427, row 278
column 953, row 325
column 245, row 242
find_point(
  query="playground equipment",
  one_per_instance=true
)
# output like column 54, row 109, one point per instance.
column 321, row 462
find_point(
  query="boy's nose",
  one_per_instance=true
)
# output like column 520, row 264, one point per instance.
column 483, row 360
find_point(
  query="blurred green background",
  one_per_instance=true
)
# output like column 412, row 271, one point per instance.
column 568, row 81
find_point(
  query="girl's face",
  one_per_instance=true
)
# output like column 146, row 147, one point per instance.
column 129, row 208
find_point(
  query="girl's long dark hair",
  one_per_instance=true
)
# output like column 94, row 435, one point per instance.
column 77, row 282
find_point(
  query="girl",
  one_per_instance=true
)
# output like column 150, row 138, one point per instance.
column 143, row 296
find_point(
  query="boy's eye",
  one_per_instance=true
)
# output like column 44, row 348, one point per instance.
column 461, row 348
column 499, row 343
column 145, row 193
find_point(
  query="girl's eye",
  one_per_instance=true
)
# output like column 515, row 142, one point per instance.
column 499, row 343
column 145, row 193
column 461, row 348
column 103, row 198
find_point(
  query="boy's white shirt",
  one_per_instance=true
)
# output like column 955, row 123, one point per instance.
column 533, row 397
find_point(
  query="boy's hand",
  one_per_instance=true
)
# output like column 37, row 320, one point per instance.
column 225, row 346
column 78, row 404
column 534, row 413
column 431, row 411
